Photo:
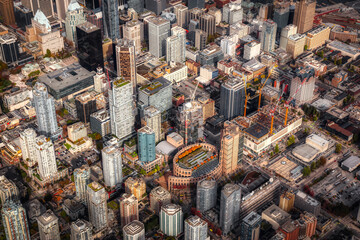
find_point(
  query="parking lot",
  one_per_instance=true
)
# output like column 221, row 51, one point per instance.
column 76, row 161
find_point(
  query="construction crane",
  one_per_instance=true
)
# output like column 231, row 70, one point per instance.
column 272, row 111
column 261, row 87
column 287, row 103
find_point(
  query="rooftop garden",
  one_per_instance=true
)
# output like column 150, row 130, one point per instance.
column 113, row 205
column 195, row 157
column 120, row 82
column 99, row 187
column 152, row 86
column 131, row 142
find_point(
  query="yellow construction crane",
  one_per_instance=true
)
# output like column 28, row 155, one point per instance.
column 261, row 87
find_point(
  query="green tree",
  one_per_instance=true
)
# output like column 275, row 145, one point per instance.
column 157, row 167
column 313, row 166
column 276, row 148
column 338, row 148
column 306, row 171
column 321, row 54
column 142, row 171
column 48, row 53
column 305, row 47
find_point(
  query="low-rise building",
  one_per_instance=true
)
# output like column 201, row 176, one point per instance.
column 317, row 37
column 275, row 216
column 306, row 203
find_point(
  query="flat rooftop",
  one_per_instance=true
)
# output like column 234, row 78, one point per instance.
column 257, row 130
column 155, row 86
column 305, row 152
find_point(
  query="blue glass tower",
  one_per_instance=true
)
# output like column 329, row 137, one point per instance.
column 146, row 144
column 111, row 19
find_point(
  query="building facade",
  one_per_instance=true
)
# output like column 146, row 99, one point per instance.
column 110, row 11
column 250, row 227
column 232, row 98
column 171, row 220
column 15, row 222
column 134, row 30
column 229, row 207
column 206, row 195
column 100, row 122
column 28, row 146
column 146, row 144
column 45, row 155
column 129, row 209
column 159, row 197
column 112, row 165
column 152, row 119
column 74, row 16
column 304, row 15
column 195, row 228
column 7, row 12
column 134, row 231
column 229, row 153
column 81, row 230
column 48, row 226
column 8, row 190
column 82, row 180
column 268, row 36
column 97, row 206
column 159, row 31
column 175, row 45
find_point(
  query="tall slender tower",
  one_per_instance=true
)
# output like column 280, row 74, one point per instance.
column 97, row 205
column 121, row 108
column 182, row 15
column 159, row 31
column 195, row 228
column 229, row 207
column 268, row 36
column 74, row 16
column 129, row 209
column 152, row 119
column 134, row 30
column 146, row 144
column 8, row 190
column 171, row 220
column 125, row 61
column 175, row 45
column 82, row 179
column 206, row 194
column 27, row 144
column 304, row 15
column 112, row 165
column 7, row 11
column 45, row 112
column 81, row 230
column 14, row 221
column 48, row 226
column 45, row 154
column 111, row 18
column 229, row 153
column 232, row 99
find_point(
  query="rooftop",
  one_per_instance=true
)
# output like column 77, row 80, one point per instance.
column 307, row 198
column 155, row 86
column 351, row 162
column 134, row 227
column 277, row 214
column 87, row 27
column 252, row 219
column 171, row 209
column 306, row 152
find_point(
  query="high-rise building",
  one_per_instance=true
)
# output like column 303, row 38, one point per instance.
column 287, row 200
column 286, row 32
column 112, row 165
column 89, row 46
column 45, row 155
column 229, row 207
column 134, row 231
column 190, row 121
column 100, row 122
column 182, row 15
column 195, row 13
column 281, row 14
column 134, row 30
column 62, row 7
column 306, row 92
column 207, row 24
column 159, row 31
column 159, row 197
column 121, row 108
column 200, row 39
column 74, row 16
column 15, row 222
column 196, row 4
column 45, row 112
column 228, row 46
column 232, row 98
column 152, row 119
column 9, row 49
column 252, row 49
column 85, row 106
column 129, row 209
column 137, row 5
column 195, row 228
column 250, row 227
column 295, row 45
column 175, row 45
column 7, row 12
column 101, row 83
column 268, row 36
column 171, row 220
column 229, row 153
column 306, row 203
column 304, row 15
column 82, row 180
column 92, row 4
column 125, row 61
column 27, row 145
column 146, row 144
column 317, row 37
column 135, row 186
column 97, row 205
column 8, row 190
column 156, row 6
column 232, row 13
column 110, row 10
column 206, row 194
column 310, row 222
column 48, row 226
column 81, row 230
column 23, row 16
column 45, row 6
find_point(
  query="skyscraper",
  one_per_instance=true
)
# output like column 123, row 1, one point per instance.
column 7, row 11
column 232, row 13
column 85, row 104
column 15, row 221
column 9, row 49
column 200, row 39
column 175, row 45
column 46, row 6
column 134, row 30
column 129, row 209
column 207, row 23
column 229, row 207
column 171, row 220
column 195, row 228
column 121, row 108
column 196, row 4
column 135, row 186
column 97, row 205
column 304, row 15
column 27, row 144
column 125, row 61
column 82, row 180
column 287, row 200
column 232, row 98
column 62, row 7
column 111, row 19
column 250, row 227
column 48, row 226
column 45, row 155
column 190, row 121
column 92, row 4
column 112, row 165
column 8, row 190
column 156, row 6
column 152, row 119
column 146, row 144
column 281, row 14
column 159, row 31
column 45, row 112
column 229, row 153
column 89, row 46
column 81, row 230
column 74, row 16
column 286, row 32
column 206, row 194
column 159, row 197
column 137, row 5
column 306, row 92
column 268, row 36
column 134, row 231
column 182, row 15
